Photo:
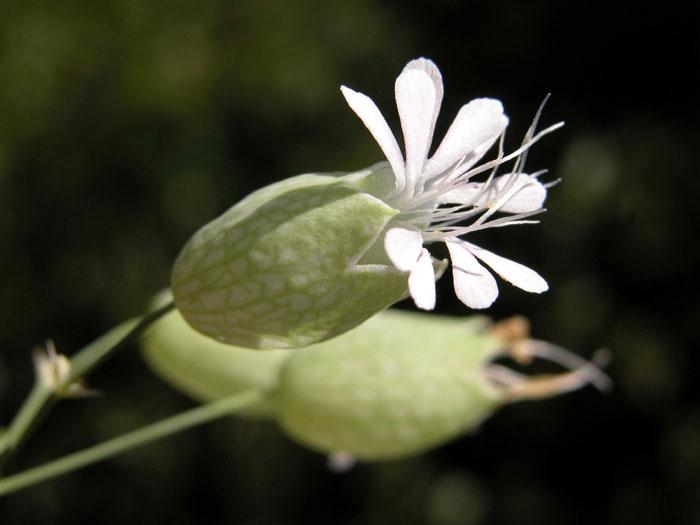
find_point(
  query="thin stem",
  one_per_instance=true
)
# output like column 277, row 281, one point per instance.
column 42, row 395
column 136, row 438
column 38, row 400
column 93, row 354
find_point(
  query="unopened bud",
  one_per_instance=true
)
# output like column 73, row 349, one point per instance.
column 396, row 385
column 53, row 371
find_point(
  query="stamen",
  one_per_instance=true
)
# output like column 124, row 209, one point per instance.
column 452, row 216
column 441, row 231
column 441, row 218
column 504, row 376
column 506, row 221
column 517, row 386
column 530, row 132
column 499, row 156
column 438, row 236
column 427, row 196
column 454, row 178
column 543, row 386
column 489, row 165
column 502, row 201
column 524, row 351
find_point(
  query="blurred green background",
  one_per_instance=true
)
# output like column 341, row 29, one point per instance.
column 126, row 125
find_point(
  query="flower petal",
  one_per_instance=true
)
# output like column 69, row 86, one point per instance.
column 403, row 246
column 513, row 272
column 428, row 66
column 474, row 130
column 421, row 282
column 466, row 194
column 530, row 193
column 418, row 91
column 372, row 118
column 474, row 284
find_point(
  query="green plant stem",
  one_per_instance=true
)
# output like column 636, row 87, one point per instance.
column 89, row 357
column 165, row 427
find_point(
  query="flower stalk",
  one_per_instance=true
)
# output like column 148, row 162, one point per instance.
column 178, row 423
column 45, row 392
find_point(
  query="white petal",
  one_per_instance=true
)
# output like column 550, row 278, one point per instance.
column 530, row 193
column 476, row 127
column 421, row 282
column 372, row 118
column 403, row 246
column 466, row 194
column 513, row 272
column 473, row 283
column 481, row 150
column 418, row 91
column 428, row 66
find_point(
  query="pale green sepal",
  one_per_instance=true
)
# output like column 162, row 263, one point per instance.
column 377, row 180
column 280, row 269
column 205, row 369
column 399, row 384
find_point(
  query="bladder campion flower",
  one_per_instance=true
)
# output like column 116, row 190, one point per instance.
column 308, row 258
column 435, row 195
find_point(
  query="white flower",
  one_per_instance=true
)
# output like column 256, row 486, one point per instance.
column 435, row 195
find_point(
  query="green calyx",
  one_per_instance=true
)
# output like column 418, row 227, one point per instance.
column 206, row 369
column 286, row 266
column 396, row 385
column 399, row 384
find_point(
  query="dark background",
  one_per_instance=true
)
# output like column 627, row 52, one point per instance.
column 126, row 125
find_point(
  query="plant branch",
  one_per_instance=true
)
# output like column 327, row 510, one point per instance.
column 43, row 395
column 189, row 418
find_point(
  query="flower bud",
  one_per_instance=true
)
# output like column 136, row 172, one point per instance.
column 288, row 266
column 396, row 385
column 206, row 369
